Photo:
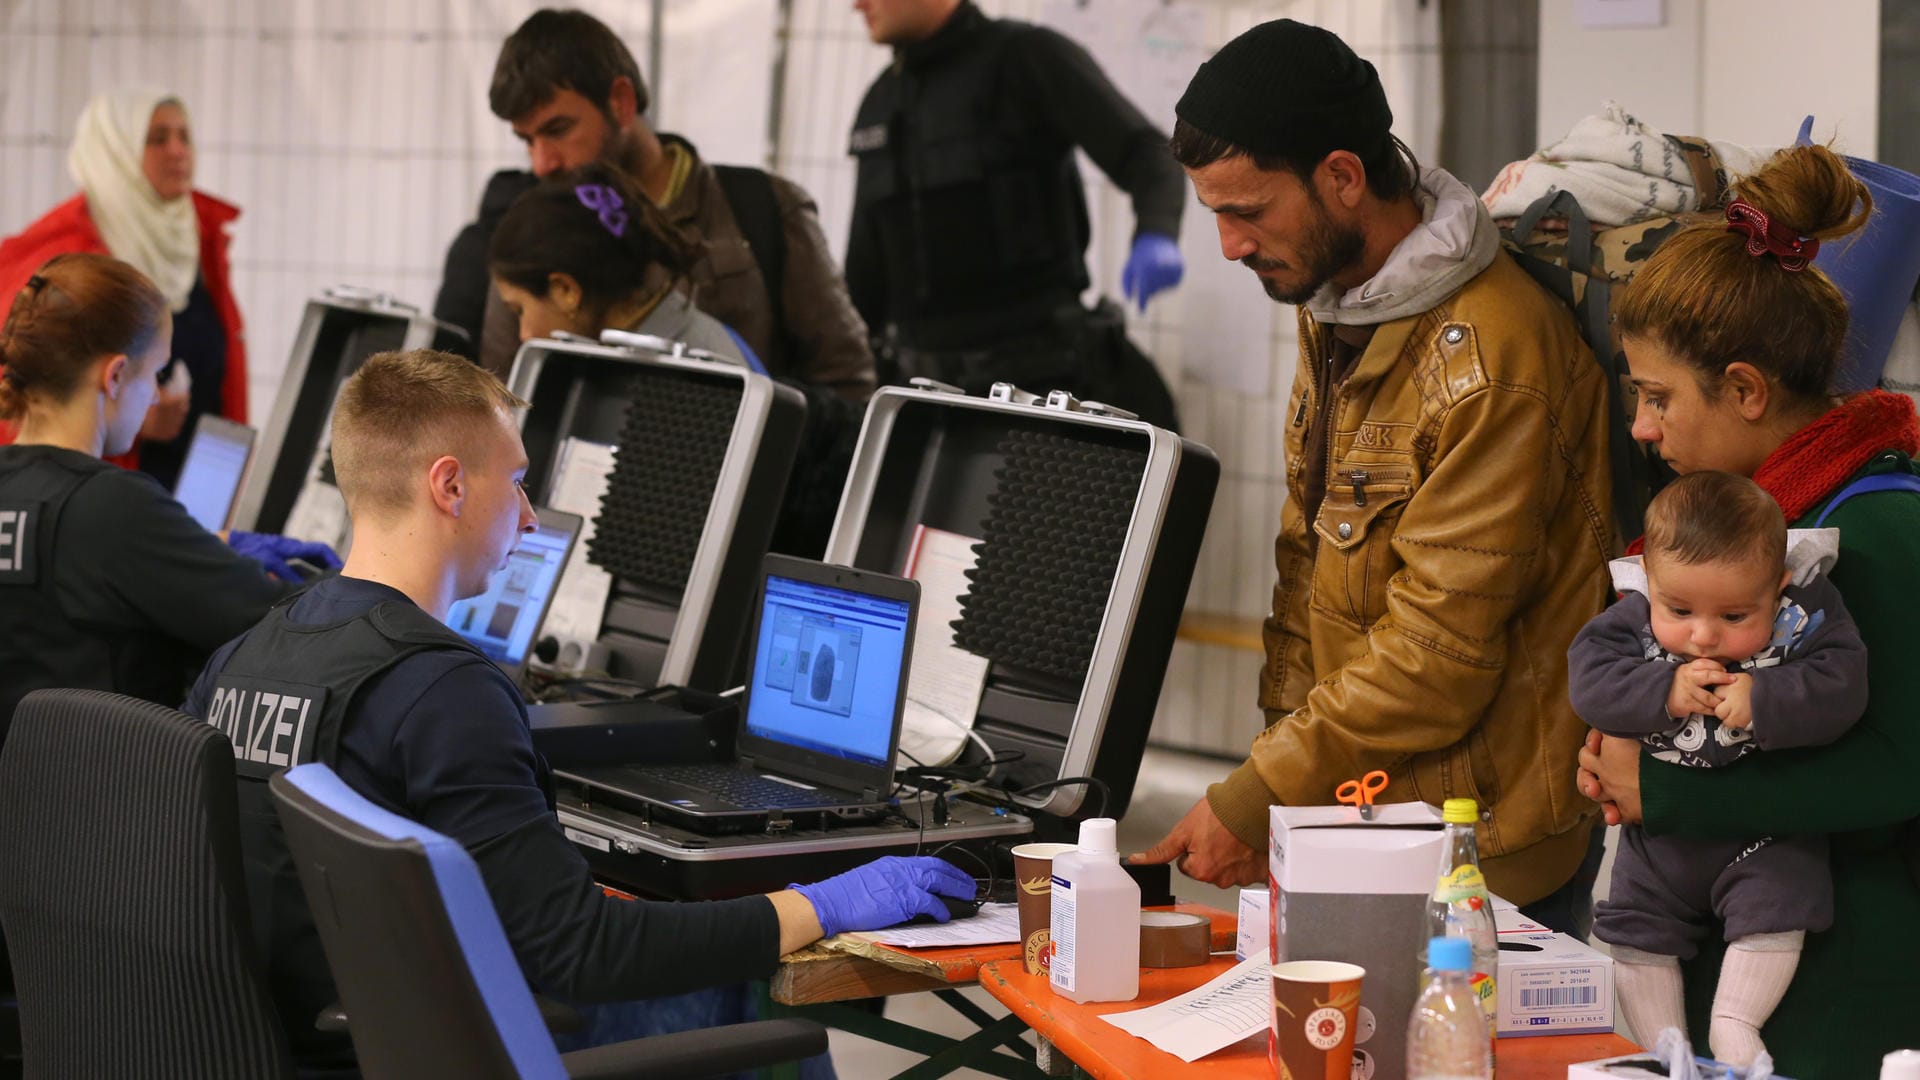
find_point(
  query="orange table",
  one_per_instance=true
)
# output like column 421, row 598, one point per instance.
column 1108, row 1053
column 818, row 975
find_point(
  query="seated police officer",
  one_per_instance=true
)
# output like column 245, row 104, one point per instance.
column 430, row 463
column 106, row 583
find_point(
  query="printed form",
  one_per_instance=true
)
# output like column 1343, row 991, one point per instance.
column 1235, row 1006
column 579, row 483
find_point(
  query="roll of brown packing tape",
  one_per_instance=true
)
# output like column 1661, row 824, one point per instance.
column 1173, row 939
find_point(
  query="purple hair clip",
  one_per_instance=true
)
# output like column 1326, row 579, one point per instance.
column 606, row 202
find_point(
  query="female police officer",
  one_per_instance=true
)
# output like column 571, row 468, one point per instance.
column 105, row 582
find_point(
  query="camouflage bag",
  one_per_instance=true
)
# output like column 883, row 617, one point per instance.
column 1583, row 267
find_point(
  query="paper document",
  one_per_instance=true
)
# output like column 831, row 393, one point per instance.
column 995, row 924
column 944, row 681
column 319, row 515
column 580, row 599
column 1235, row 1006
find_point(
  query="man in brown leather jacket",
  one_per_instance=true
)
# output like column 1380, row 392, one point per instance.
column 574, row 94
column 1447, row 521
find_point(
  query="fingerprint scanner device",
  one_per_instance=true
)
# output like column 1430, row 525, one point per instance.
column 292, row 491
column 679, row 462
column 820, row 717
column 504, row 621
column 215, row 465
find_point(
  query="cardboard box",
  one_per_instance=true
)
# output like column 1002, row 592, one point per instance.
column 1508, row 920
column 1551, row 984
column 1354, row 890
column 1255, row 937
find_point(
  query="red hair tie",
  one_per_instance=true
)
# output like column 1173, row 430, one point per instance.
column 1792, row 250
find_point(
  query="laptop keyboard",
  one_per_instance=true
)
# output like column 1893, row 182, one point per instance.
column 744, row 788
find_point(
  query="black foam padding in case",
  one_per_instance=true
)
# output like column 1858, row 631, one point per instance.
column 1049, row 551
column 665, row 475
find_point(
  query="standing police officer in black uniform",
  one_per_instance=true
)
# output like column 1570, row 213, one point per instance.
column 967, row 255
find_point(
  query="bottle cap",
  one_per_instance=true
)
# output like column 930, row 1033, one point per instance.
column 1901, row 1065
column 1097, row 836
column 1460, row 812
column 1450, row 954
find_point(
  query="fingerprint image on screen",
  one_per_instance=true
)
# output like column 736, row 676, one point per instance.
column 829, row 655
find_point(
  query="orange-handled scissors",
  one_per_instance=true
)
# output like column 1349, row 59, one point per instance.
column 1359, row 793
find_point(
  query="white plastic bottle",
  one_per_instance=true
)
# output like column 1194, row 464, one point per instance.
column 1901, row 1065
column 1096, row 920
column 1447, row 1035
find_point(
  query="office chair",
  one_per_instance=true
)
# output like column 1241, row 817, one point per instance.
column 123, row 896
column 425, row 973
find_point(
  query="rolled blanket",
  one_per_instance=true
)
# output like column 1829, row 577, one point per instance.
column 1621, row 170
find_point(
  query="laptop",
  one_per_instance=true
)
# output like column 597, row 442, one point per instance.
column 820, row 719
column 503, row 621
column 210, row 476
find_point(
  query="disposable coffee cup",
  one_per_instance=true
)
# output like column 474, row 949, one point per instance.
column 1033, row 882
column 1315, row 1007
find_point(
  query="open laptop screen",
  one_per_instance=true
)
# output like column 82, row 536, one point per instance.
column 502, row 621
column 210, row 476
column 827, row 670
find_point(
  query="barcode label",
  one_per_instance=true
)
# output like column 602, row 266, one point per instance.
column 1560, row 995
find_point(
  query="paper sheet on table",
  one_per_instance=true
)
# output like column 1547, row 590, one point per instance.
column 995, row 924
column 1235, row 1006
column 944, row 681
column 580, row 599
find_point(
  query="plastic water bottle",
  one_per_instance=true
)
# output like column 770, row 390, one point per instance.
column 1447, row 1037
column 1095, row 923
column 1461, row 906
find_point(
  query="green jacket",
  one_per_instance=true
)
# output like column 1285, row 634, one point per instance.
column 1857, row 992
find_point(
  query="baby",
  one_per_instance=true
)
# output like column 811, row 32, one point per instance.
column 1726, row 641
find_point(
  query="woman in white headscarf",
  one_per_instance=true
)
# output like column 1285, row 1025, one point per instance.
column 132, row 156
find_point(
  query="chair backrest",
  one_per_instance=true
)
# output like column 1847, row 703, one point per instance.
column 426, row 976
column 123, row 895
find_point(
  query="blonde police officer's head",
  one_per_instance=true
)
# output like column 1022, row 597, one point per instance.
column 428, row 456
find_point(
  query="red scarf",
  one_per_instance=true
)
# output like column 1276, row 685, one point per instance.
column 1803, row 471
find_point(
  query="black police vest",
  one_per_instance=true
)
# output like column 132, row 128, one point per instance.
column 40, row 646
column 975, row 199
column 282, row 699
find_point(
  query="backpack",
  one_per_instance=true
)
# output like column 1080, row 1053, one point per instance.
column 756, row 209
column 1583, row 268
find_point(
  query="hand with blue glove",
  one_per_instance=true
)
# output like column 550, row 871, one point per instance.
column 886, row 892
column 1154, row 266
column 272, row 552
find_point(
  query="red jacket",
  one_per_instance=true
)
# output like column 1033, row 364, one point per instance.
column 68, row 228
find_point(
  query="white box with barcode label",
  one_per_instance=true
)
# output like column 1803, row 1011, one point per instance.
column 1551, row 984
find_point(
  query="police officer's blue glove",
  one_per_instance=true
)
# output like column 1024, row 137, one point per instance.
column 886, row 892
column 1154, row 266
column 272, row 552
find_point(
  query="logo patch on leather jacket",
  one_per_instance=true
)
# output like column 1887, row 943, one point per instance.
column 1375, row 436
column 873, row 137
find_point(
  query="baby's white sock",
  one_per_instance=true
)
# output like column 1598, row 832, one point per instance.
column 1753, row 978
column 1648, row 987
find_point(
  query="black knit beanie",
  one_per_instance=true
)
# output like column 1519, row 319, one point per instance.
column 1291, row 90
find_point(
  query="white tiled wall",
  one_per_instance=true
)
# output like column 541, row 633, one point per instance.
column 355, row 135
column 1208, row 699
